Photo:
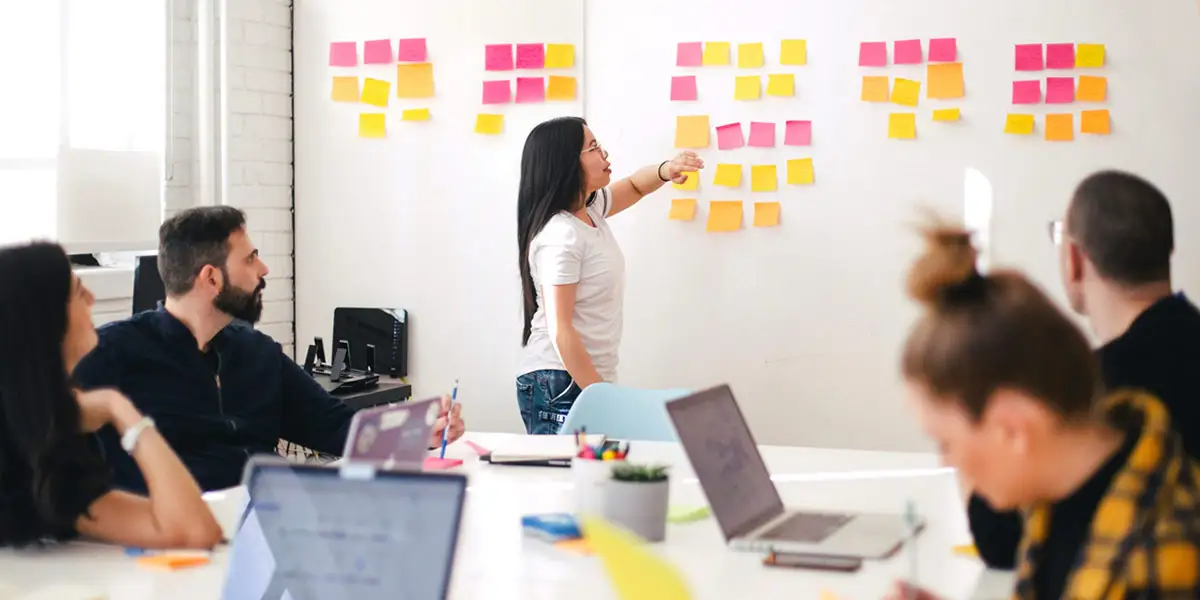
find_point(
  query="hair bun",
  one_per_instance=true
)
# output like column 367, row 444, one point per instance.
column 947, row 264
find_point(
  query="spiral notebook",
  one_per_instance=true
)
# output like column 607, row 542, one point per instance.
column 540, row 450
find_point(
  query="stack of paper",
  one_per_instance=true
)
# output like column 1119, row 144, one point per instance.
column 532, row 448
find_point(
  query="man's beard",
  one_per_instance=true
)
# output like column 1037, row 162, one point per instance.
column 238, row 303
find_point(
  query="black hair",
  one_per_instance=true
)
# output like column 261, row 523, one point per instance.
column 552, row 181
column 192, row 239
column 1123, row 223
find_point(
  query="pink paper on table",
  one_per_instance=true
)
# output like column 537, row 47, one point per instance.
column 683, row 87
column 1060, row 56
column 498, row 57
column 1060, row 90
column 872, row 54
column 943, row 50
column 907, row 52
column 411, row 50
column 689, row 54
column 798, row 133
column 531, row 56
column 1027, row 92
column 377, row 52
column 730, row 136
column 762, row 135
column 531, row 89
column 343, row 54
column 480, row 450
column 433, row 463
column 1029, row 57
column 497, row 92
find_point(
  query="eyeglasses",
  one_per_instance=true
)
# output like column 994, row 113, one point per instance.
column 596, row 147
column 1056, row 232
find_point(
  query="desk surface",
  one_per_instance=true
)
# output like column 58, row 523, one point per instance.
column 495, row 560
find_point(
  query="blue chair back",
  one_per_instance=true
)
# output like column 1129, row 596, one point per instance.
column 623, row 413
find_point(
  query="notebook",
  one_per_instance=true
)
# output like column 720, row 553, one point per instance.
column 540, row 450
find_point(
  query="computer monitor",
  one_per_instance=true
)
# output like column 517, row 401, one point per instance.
column 148, row 289
column 384, row 328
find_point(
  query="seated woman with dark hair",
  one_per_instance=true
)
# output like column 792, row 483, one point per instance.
column 53, row 484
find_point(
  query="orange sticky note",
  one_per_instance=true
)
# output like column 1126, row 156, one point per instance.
column 728, row 175
column 1060, row 127
column 874, row 88
column 800, row 171
column 747, row 87
column 489, row 124
column 716, row 54
column 560, row 88
column 766, row 214
column 793, row 52
column 1019, row 124
column 966, row 550
column 682, row 209
column 375, row 92
column 576, row 546
column 372, row 125
column 902, row 126
column 781, row 84
column 1094, row 121
column 345, row 89
column 763, row 178
column 414, row 80
column 906, row 92
column 690, row 184
column 724, row 215
column 944, row 80
column 691, row 131
column 1092, row 89
column 171, row 562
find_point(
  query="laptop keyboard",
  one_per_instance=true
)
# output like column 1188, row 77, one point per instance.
column 806, row 527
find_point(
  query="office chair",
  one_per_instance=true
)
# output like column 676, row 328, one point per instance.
column 623, row 413
column 148, row 289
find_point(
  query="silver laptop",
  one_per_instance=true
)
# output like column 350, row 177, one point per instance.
column 351, row 533
column 744, row 500
column 394, row 435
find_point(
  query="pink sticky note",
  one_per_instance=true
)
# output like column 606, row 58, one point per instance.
column 683, row 88
column 531, row 89
column 1060, row 56
column 762, row 135
column 497, row 92
column 689, row 54
column 798, row 133
column 499, row 57
column 480, row 450
column 433, row 463
column 531, row 56
column 1027, row 92
column 376, row 52
column 411, row 50
column 730, row 136
column 907, row 52
column 343, row 54
column 1060, row 90
column 872, row 54
column 943, row 50
column 1029, row 57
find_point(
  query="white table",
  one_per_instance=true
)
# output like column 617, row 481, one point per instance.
column 497, row 562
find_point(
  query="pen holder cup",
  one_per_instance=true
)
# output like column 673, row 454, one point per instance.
column 591, row 479
column 639, row 506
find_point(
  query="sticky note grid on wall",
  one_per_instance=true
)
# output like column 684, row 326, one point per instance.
column 530, row 86
column 1073, row 81
column 944, row 84
column 412, row 80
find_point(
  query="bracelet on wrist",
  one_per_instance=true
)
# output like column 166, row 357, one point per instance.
column 660, row 166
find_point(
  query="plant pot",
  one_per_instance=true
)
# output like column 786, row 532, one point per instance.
column 639, row 506
column 591, row 477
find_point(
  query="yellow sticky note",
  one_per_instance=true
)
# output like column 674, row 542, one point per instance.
column 716, row 54
column 560, row 56
column 1060, row 127
column 793, row 52
column 763, row 178
column 415, row 114
column 944, row 80
column 1019, row 124
column 728, row 175
column 905, row 92
column 902, row 126
column 1092, row 89
column 748, row 87
column 560, row 88
column 945, row 114
column 691, row 131
column 800, row 171
column 1094, row 121
column 414, row 80
column 372, row 125
column 766, row 214
column 489, row 124
column 345, row 89
column 874, row 88
column 724, row 215
column 636, row 572
column 750, row 56
column 682, row 209
column 966, row 550
column 693, row 180
column 375, row 92
column 781, row 84
column 1089, row 56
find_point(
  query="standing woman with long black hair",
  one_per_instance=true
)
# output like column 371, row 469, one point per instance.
column 572, row 270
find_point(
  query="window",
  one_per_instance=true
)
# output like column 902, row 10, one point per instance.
column 83, row 125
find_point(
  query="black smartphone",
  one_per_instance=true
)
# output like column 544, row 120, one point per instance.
column 847, row 564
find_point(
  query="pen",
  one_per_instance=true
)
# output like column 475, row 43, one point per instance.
column 910, row 516
column 446, row 429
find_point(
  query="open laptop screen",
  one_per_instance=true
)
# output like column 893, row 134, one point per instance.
column 721, row 449
column 354, row 534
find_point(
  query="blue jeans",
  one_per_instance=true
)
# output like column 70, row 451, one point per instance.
column 544, row 399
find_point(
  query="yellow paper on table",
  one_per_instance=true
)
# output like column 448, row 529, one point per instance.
column 902, row 126
column 372, row 125
column 793, row 52
column 636, row 572
column 946, row 114
column 724, row 215
column 489, row 124
column 728, row 175
column 1060, row 127
column 800, row 171
column 906, row 92
column 1094, row 121
column 560, row 88
column 1019, row 124
column 691, row 131
column 944, row 80
column 560, row 56
column 682, row 209
column 1092, row 89
column 781, row 84
column 375, row 92
column 874, row 88
column 763, row 178
column 1089, row 56
column 750, row 56
column 415, row 114
column 693, row 180
column 414, row 80
column 345, row 89
column 172, row 561
column 966, row 550
column 716, row 54
column 748, row 87
column 766, row 214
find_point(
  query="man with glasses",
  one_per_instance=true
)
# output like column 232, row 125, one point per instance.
column 1115, row 250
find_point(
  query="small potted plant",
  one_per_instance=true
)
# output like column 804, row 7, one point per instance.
column 637, row 499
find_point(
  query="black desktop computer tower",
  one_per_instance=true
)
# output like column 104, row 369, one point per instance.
column 385, row 329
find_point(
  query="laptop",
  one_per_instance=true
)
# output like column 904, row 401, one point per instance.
column 392, row 435
column 348, row 533
column 744, row 500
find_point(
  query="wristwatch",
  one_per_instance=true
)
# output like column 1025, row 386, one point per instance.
column 129, row 439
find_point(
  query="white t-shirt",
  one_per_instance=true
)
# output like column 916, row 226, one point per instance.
column 567, row 251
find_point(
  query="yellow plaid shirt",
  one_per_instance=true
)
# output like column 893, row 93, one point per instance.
column 1145, row 536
